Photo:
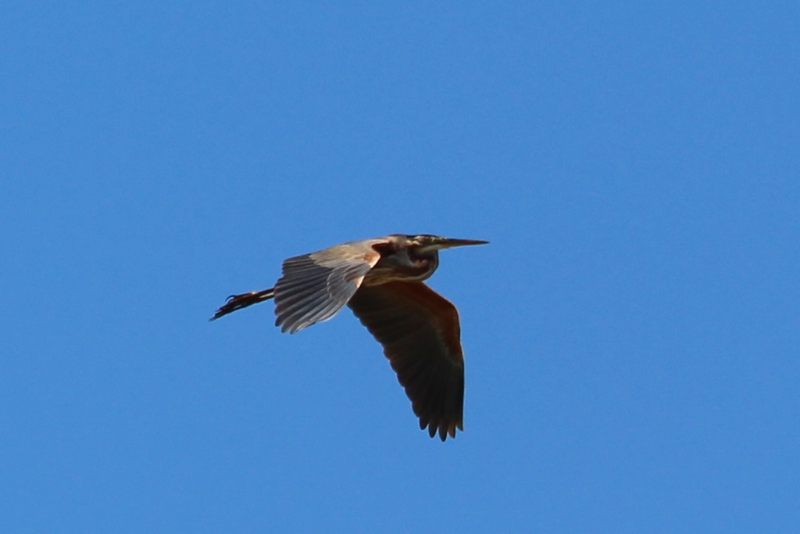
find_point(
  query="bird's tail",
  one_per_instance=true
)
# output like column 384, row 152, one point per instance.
column 237, row 302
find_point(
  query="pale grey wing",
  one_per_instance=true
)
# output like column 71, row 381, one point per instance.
column 420, row 334
column 314, row 287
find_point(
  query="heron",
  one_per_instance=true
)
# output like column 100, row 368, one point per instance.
column 382, row 281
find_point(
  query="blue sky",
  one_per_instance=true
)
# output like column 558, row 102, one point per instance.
column 631, row 334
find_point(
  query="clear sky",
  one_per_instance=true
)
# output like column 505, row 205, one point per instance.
column 632, row 333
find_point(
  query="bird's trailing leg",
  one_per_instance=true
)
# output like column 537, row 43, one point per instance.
column 237, row 302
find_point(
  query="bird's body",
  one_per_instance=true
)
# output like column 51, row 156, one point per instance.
column 381, row 280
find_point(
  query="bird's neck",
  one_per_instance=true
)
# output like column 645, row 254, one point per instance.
column 402, row 267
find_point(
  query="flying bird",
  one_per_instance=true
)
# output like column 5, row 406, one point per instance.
column 381, row 280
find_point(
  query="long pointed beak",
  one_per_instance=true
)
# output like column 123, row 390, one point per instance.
column 450, row 243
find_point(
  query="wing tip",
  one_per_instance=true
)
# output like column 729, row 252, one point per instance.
column 443, row 429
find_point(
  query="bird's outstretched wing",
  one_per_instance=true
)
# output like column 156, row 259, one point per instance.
column 314, row 287
column 420, row 334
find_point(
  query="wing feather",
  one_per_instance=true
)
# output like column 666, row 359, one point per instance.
column 314, row 287
column 420, row 334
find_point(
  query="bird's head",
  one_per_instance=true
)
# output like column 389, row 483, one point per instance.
column 412, row 257
column 426, row 243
